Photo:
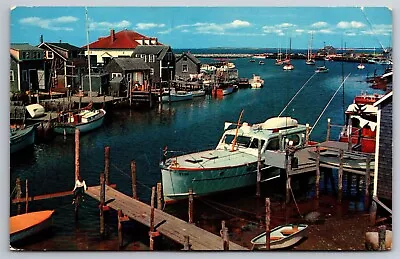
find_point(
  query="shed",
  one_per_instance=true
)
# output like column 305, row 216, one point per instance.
column 117, row 86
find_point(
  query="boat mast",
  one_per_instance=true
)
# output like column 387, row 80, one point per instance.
column 88, row 51
column 237, row 131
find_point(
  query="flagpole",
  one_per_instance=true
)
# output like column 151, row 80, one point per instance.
column 88, row 51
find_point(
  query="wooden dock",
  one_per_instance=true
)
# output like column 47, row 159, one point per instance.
column 170, row 226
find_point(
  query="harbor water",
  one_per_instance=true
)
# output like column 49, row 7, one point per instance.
column 188, row 126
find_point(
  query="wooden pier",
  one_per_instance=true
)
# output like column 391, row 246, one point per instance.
column 169, row 226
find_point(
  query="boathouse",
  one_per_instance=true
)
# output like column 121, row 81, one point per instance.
column 135, row 71
column 187, row 64
column 384, row 150
column 116, row 44
column 161, row 60
column 64, row 63
column 26, row 68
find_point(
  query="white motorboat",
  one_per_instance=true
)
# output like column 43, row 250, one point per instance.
column 256, row 82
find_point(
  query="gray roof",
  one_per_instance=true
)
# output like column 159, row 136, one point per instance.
column 159, row 50
column 132, row 63
column 64, row 45
column 190, row 56
column 24, row 46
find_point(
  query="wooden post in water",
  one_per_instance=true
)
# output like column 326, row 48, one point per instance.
column 259, row 169
column 107, row 164
column 133, row 173
column 76, row 154
column 153, row 191
column 340, row 176
column 372, row 213
column 318, row 173
column 18, row 194
column 224, row 235
column 280, row 137
column 80, row 101
column 328, row 131
column 267, row 223
column 26, row 196
column 186, row 245
column 102, row 201
column 382, row 238
column 367, row 181
column 349, row 144
column 307, row 134
column 159, row 196
column 120, row 236
column 190, row 212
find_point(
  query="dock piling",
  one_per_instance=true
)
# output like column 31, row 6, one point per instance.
column 152, row 232
column 120, row 237
column 349, row 144
column 340, row 176
column 328, row 131
column 186, row 245
column 288, row 169
column 372, row 213
column 225, row 237
column 258, row 169
column 382, row 238
column 107, row 164
column 367, row 181
column 102, row 201
column 318, row 173
column 267, row 223
column 307, row 134
column 18, row 194
column 133, row 173
column 77, row 153
column 26, row 196
column 190, row 206
column 159, row 196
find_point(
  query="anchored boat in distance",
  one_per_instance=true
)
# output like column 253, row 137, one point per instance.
column 233, row 163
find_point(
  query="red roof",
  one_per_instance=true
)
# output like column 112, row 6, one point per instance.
column 124, row 39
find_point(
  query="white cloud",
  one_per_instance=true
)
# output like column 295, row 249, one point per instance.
column 299, row 30
column 214, row 28
column 100, row 26
column 280, row 29
column 165, row 32
column 319, row 24
column 237, row 24
column 325, row 31
column 348, row 25
column 285, row 25
column 50, row 24
column 146, row 26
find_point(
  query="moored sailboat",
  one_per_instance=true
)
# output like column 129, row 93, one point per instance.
column 310, row 60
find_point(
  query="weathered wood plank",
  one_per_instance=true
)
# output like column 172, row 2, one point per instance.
column 174, row 228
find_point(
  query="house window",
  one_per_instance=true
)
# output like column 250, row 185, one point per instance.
column 184, row 58
column 24, row 76
column 151, row 71
column 12, row 76
column 49, row 54
column 184, row 68
column 144, row 57
column 129, row 77
column 27, row 55
column 138, row 55
column 151, row 58
column 116, row 75
column 23, row 55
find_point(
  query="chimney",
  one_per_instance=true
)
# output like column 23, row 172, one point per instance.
column 60, row 41
column 142, row 40
column 156, row 41
column 112, row 35
column 41, row 38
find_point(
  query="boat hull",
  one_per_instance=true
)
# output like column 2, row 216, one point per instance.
column 176, row 98
column 29, row 224
column 23, row 140
column 176, row 183
column 83, row 127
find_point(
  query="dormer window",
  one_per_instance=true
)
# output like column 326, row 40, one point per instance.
column 151, row 58
column 184, row 58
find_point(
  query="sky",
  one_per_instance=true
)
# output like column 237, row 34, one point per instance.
column 208, row 27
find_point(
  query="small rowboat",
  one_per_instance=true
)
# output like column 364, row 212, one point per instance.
column 282, row 236
column 29, row 224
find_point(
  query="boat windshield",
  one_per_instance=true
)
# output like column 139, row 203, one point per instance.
column 243, row 141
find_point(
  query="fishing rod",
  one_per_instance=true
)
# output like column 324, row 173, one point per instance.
column 337, row 90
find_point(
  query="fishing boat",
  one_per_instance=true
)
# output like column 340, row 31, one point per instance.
column 21, row 138
column 261, row 62
column 360, row 66
column 35, row 110
column 322, row 69
column 288, row 67
column 310, row 60
column 233, row 163
column 281, row 237
column 361, row 123
column 176, row 96
column 256, row 82
column 252, row 60
column 198, row 93
column 29, row 224
column 85, row 120
column 224, row 89
column 279, row 60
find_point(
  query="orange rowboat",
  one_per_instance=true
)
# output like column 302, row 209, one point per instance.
column 29, row 224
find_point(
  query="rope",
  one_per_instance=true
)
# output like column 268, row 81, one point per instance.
column 328, row 104
column 296, row 94
column 11, row 195
column 127, row 175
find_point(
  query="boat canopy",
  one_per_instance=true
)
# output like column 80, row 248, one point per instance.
column 368, row 108
column 279, row 122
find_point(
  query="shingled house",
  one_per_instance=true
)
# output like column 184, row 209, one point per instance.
column 384, row 149
column 27, row 68
column 186, row 65
column 161, row 60
column 134, row 71
column 66, row 64
column 117, row 44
